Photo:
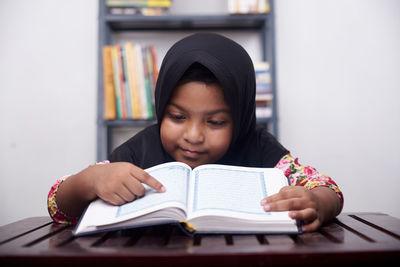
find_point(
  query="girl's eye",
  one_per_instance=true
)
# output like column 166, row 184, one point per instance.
column 216, row 123
column 176, row 117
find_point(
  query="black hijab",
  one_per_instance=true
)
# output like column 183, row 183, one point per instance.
column 230, row 64
column 233, row 68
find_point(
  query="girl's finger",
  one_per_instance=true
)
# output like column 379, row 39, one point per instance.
column 306, row 215
column 146, row 178
column 286, row 192
column 135, row 186
column 313, row 226
column 284, row 205
column 273, row 198
column 115, row 200
column 126, row 194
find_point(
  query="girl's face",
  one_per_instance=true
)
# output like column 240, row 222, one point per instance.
column 197, row 124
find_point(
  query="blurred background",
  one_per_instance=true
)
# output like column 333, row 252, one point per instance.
column 338, row 88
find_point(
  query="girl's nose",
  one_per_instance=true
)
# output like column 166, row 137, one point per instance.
column 194, row 133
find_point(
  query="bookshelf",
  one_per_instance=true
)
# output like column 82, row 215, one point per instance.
column 109, row 25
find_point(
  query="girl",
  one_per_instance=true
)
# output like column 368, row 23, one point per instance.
column 205, row 106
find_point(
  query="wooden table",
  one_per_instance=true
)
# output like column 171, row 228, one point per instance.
column 352, row 238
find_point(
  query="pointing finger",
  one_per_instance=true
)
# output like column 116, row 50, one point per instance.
column 146, row 178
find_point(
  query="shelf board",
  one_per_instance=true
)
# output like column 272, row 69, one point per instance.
column 264, row 120
column 185, row 22
column 128, row 123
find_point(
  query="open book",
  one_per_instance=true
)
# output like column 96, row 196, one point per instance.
column 210, row 198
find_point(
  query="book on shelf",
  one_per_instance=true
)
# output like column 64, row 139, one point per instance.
column 139, row 3
column 263, row 90
column 110, row 111
column 134, row 72
column 122, row 84
column 248, row 6
column 148, row 80
column 118, row 104
column 263, row 112
column 141, row 82
column 154, row 64
column 208, row 199
column 127, row 89
column 263, row 80
column 132, row 80
column 138, row 7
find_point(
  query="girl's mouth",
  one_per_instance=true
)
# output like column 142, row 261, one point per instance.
column 192, row 154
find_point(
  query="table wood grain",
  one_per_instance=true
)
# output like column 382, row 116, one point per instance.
column 351, row 238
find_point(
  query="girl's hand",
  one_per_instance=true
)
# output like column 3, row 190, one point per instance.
column 120, row 182
column 302, row 204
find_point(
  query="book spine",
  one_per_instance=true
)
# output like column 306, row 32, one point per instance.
column 116, row 81
column 147, row 82
column 108, row 80
column 154, row 64
column 263, row 90
column 248, row 6
column 121, row 82
column 151, row 68
column 138, row 3
column 263, row 78
column 132, row 80
column 128, row 97
column 142, row 87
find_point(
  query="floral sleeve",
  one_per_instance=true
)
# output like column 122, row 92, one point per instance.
column 55, row 213
column 307, row 176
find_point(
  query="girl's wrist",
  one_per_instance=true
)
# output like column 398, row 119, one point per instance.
column 328, row 203
column 88, row 179
column 89, row 176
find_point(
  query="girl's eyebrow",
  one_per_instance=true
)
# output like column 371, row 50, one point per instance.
column 213, row 112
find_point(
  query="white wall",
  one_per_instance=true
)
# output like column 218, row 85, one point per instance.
column 48, row 99
column 339, row 92
column 338, row 81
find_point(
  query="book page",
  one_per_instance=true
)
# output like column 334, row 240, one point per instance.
column 175, row 177
column 233, row 191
